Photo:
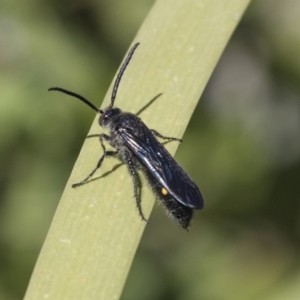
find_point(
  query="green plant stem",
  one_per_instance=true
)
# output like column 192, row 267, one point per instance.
column 96, row 229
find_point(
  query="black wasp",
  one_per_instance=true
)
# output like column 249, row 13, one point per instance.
column 137, row 146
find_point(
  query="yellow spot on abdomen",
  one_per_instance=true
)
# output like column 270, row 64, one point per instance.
column 164, row 191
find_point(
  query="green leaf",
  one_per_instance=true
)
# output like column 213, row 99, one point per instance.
column 96, row 229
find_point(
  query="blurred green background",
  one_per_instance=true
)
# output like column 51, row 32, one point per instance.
column 242, row 147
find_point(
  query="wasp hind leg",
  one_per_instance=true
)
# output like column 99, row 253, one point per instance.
column 136, row 187
column 165, row 137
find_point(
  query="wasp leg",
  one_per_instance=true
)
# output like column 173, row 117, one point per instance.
column 105, row 154
column 165, row 137
column 135, row 179
column 93, row 135
column 103, row 137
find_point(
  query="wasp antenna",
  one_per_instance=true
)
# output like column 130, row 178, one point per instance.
column 91, row 105
column 120, row 74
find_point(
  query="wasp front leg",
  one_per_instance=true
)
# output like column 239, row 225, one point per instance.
column 103, row 137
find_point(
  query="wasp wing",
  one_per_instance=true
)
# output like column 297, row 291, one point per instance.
column 162, row 166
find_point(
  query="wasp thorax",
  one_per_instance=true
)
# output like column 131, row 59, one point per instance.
column 108, row 115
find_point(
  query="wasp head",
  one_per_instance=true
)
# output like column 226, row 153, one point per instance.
column 108, row 115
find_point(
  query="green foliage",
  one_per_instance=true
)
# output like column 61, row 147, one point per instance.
column 241, row 146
